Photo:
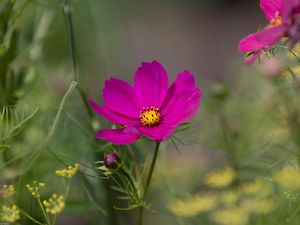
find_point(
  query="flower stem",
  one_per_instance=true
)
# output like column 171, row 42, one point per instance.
column 43, row 210
column 69, row 22
column 140, row 215
column 154, row 157
column 67, row 189
column 67, row 10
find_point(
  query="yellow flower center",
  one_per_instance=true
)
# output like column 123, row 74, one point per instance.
column 150, row 117
column 277, row 21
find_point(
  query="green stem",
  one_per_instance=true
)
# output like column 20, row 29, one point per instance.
column 67, row 189
column 54, row 220
column 70, row 29
column 67, row 10
column 69, row 22
column 140, row 213
column 43, row 210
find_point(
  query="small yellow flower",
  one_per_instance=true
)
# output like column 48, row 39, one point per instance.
column 10, row 214
column 257, row 188
column 231, row 216
column 7, row 191
column 230, row 197
column 36, row 188
column 288, row 178
column 55, row 204
column 259, row 205
column 194, row 205
column 220, row 178
column 68, row 172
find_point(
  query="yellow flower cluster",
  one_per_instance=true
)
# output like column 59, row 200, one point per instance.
column 220, row 178
column 231, row 216
column 229, row 207
column 68, row 172
column 55, row 204
column 257, row 188
column 36, row 188
column 7, row 191
column 10, row 214
column 230, row 198
column 192, row 206
column 288, row 178
column 260, row 205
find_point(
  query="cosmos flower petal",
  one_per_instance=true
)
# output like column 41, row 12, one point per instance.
column 263, row 39
column 113, row 116
column 182, row 100
column 120, row 97
column 121, row 136
column 159, row 133
column 151, row 84
column 271, row 7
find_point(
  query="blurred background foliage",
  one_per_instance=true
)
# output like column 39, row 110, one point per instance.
column 234, row 164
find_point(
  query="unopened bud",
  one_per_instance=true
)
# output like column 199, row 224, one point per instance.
column 271, row 67
column 112, row 160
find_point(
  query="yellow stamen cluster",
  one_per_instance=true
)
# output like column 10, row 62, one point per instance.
column 7, row 191
column 277, row 20
column 55, row 204
column 150, row 117
column 10, row 214
column 36, row 188
column 68, row 172
column 220, row 178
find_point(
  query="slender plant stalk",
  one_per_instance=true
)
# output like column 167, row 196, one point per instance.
column 67, row 189
column 69, row 22
column 154, row 157
column 43, row 210
column 67, row 10
column 140, row 215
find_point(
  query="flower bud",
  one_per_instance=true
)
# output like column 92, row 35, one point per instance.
column 112, row 160
column 271, row 67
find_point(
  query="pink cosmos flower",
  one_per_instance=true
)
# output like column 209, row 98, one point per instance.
column 284, row 21
column 149, row 108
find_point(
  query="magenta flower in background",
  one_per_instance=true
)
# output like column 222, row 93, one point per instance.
column 149, row 108
column 284, row 21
